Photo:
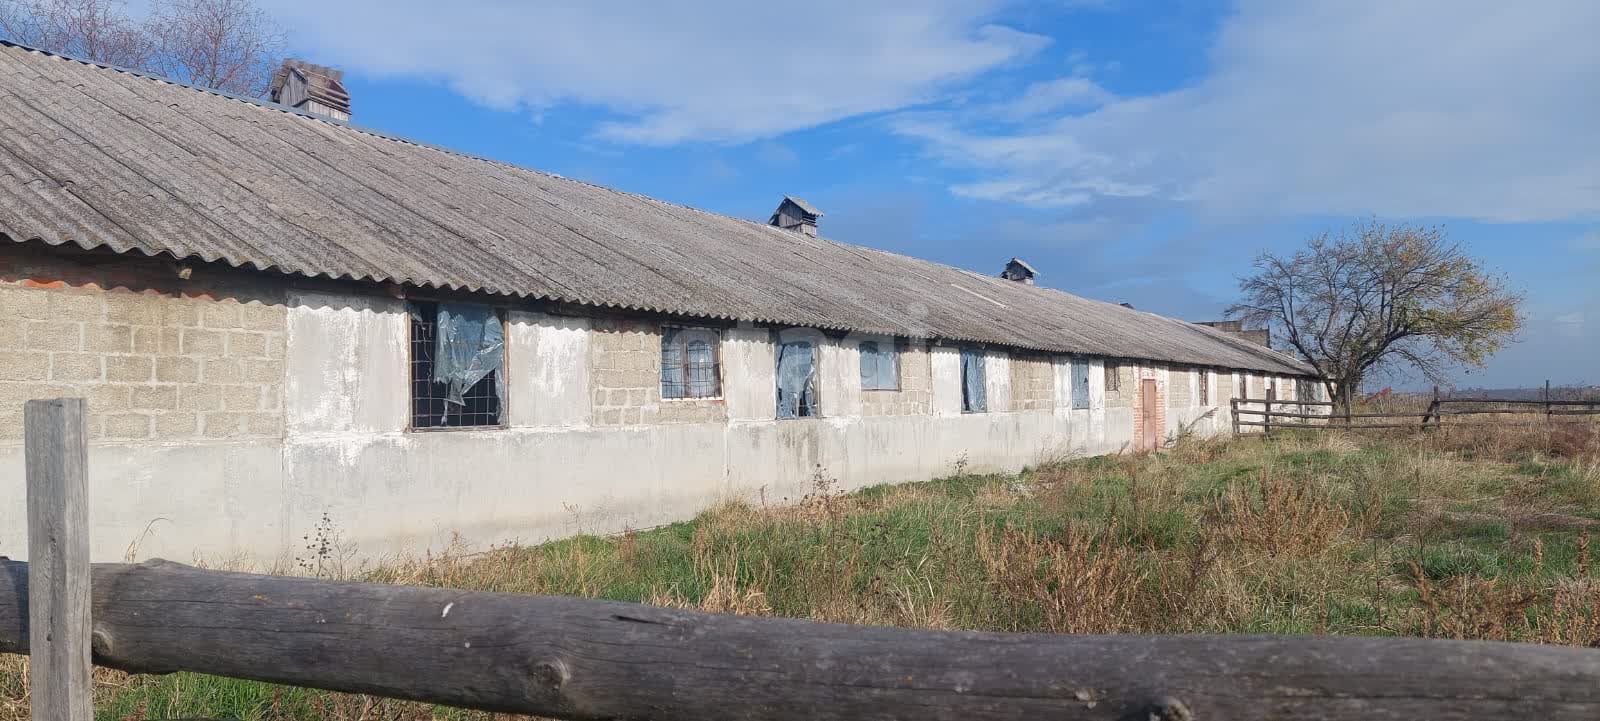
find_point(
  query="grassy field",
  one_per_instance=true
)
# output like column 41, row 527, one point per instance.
column 1469, row 533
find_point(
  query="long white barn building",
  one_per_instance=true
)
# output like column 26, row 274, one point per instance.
column 278, row 317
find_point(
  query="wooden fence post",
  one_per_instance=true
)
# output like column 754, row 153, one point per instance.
column 1234, row 403
column 1549, row 411
column 1272, row 395
column 1433, row 413
column 59, row 626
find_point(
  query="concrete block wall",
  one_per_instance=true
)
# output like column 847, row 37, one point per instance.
column 915, row 395
column 1033, row 382
column 625, row 379
column 1127, row 386
column 160, row 358
column 1180, row 388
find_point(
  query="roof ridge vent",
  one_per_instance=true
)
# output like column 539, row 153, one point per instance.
column 311, row 88
column 796, row 214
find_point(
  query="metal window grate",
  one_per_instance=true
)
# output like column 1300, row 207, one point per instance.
column 691, row 363
column 481, row 404
column 1113, row 380
column 1205, row 387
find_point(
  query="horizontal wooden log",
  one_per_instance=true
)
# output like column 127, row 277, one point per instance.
column 1283, row 402
column 1518, row 412
column 1490, row 401
column 1325, row 416
column 1331, row 426
column 589, row 659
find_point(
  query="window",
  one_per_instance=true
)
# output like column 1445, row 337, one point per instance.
column 1305, row 389
column 1113, row 379
column 457, row 356
column 1080, row 384
column 797, row 379
column 1205, row 387
column 974, row 383
column 690, row 366
column 880, row 366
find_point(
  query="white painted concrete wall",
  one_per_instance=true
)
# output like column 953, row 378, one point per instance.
column 346, row 454
column 945, row 363
column 548, row 357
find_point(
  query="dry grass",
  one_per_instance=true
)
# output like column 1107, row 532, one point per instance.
column 1469, row 533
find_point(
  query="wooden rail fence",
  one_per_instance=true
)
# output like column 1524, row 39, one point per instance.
column 1267, row 413
column 590, row 659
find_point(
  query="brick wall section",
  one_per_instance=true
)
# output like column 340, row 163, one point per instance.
column 915, row 397
column 1138, row 405
column 625, row 379
column 158, row 358
column 1033, row 383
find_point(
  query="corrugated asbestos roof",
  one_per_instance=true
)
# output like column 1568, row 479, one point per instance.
column 104, row 157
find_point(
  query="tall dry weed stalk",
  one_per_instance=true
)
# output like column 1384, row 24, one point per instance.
column 1281, row 516
column 1077, row 582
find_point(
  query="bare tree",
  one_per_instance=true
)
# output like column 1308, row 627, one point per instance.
column 95, row 30
column 228, row 45
column 1380, row 298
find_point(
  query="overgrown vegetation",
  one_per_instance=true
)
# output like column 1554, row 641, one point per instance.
column 1469, row 533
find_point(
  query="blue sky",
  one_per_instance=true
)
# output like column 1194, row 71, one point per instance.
column 1139, row 152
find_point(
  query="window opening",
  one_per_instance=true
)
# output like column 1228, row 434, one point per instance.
column 797, row 379
column 690, row 363
column 457, row 357
column 879, row 366
column 974, row 388
column 1080, row 384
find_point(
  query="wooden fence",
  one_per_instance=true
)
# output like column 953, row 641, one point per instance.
column 589, row 659
column 1272, row 414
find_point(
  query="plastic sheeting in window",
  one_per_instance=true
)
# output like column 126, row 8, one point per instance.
column 470, row 346
column 797, row 380
column 974, row 384
column 879, row 372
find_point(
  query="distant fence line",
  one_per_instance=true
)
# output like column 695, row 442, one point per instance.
column 1433, row 417
column 591, row 659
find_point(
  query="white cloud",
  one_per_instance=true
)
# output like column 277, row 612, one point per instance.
column 1478, row 109
column 725, row 70
column 1051, row 95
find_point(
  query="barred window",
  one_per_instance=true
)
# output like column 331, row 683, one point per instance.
column 457, row 362
column 880, row 366
column 690, row 363
column 1205, row 387
column 1113, row 378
